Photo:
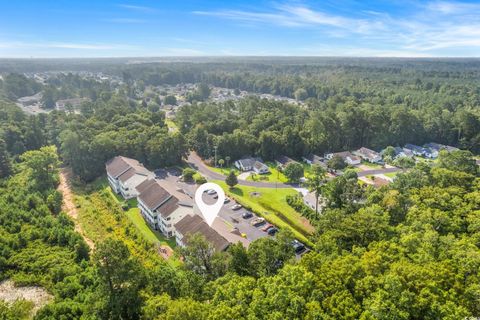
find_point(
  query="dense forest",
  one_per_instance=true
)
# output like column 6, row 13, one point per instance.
column 409, row 250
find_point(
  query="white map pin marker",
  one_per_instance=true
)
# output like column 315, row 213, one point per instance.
column 209, row 211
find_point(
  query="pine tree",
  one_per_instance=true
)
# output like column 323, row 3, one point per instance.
column 231, row 179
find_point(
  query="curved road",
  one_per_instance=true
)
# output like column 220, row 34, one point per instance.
column 196, row 163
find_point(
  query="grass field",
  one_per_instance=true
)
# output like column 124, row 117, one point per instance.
column 271, row 204
column 101, row 215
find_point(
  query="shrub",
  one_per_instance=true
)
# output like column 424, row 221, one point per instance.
column 200, row 179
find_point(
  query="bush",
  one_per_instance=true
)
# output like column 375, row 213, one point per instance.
column 199, row 179
column 296, row 202
column 187, row 174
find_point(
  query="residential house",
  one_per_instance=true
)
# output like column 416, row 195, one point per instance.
column 478, row 162
column 402, row 152
column 252, row 164
column 417, row 150
column 347, row 156
column 434, row 149
column 368, row 155
column 125, row 174
column 160, row 209
column 192, row 224
column 312, row 159
column 284, row 161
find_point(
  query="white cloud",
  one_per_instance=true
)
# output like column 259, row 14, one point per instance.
column 430, row 27
column 452, row 7
column 294, row 16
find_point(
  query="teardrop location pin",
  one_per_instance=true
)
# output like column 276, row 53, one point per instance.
column 209, row 211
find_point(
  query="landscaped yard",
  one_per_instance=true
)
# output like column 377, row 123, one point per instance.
column 271, row 204
column 225, row 170
column 371, row 165
column 274, row 175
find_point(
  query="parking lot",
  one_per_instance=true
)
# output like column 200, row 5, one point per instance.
column 229, row 218
column 234, row 219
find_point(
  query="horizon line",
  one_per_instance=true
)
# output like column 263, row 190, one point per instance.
column 239, row 56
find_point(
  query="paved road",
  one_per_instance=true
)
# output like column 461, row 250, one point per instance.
column 196, row 162
column 377, row 171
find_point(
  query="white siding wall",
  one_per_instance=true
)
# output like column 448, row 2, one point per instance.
column 128, row 188
column 167, row 225
column 113, row 184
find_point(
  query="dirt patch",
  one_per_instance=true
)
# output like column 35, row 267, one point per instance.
column 69, row 206
column 255, row 194
column 165, row 251
column 37, row 295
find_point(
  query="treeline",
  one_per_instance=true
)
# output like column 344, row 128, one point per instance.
column 66, row 86
column 267, row 128
column 107, row 127
column 14, row 86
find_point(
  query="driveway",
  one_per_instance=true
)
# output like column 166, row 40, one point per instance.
column 196, row 163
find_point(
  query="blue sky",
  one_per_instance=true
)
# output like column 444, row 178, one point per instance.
column 399, row 28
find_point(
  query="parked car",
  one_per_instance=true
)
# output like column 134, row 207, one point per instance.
column 268, row 226
column 272, row 231
column 247, row 215
column 215, row 196
column 257, row 222
column 211, row 191
column 237, row 207
column 226, row 200
column 298, row 246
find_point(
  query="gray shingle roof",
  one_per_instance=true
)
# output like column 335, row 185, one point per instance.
column 153, row 196
column 123, row 168
column 192, row 224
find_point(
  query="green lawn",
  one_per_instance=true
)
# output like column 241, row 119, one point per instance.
column 271, row 204
column 371, row 165
column 151, row 235
column 391, row 174
column 274, row 175
column 225, row 170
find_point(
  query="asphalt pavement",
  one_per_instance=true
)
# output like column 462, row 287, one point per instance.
column 196, row 163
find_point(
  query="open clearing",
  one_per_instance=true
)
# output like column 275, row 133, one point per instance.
column 37, row 295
